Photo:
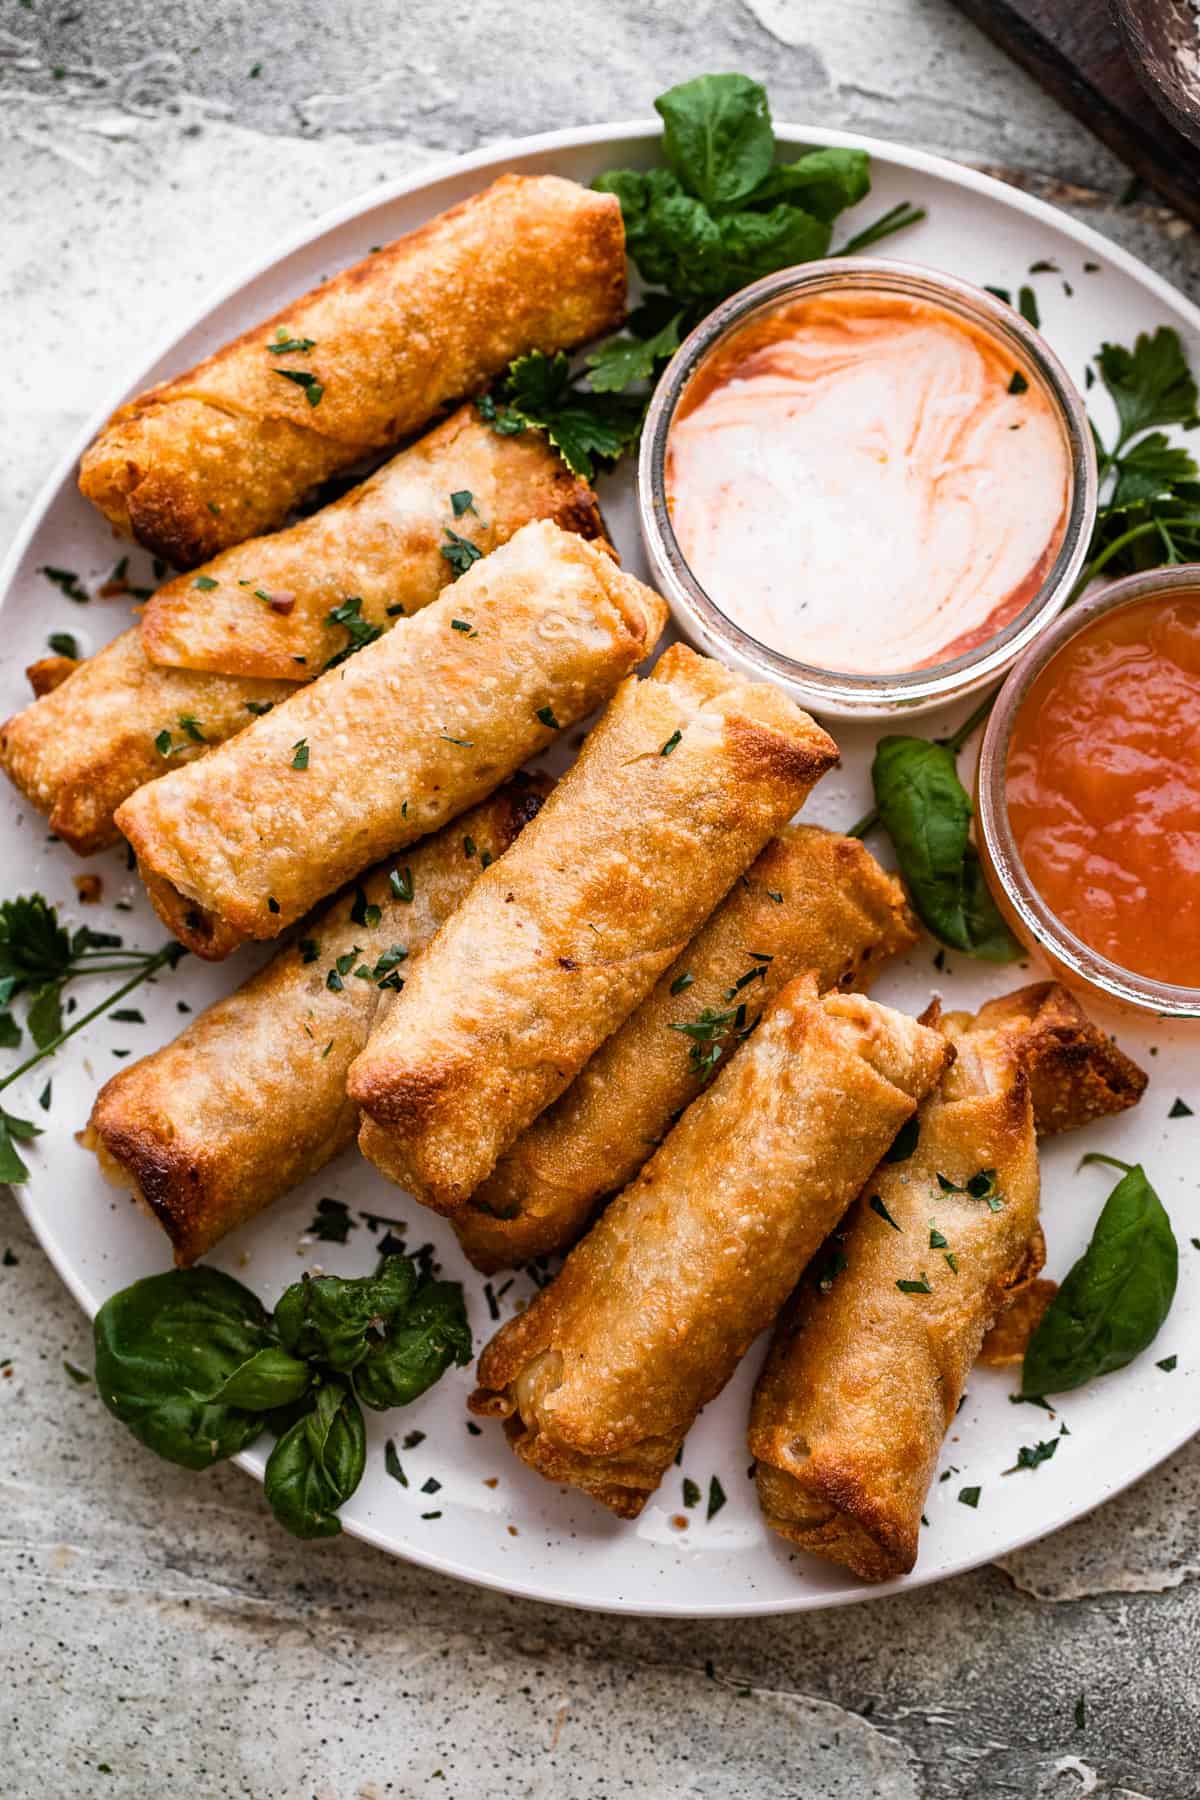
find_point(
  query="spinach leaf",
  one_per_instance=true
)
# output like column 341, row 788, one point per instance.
column 927, row 813
column 317, row 1464
column 717, row 136
column 1114, row 1300
column 334, row 1320
column 825, row 182
column 417, row 1346
column 166, row 1347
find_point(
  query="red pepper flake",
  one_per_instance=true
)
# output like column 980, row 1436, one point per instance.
column 492, row 1481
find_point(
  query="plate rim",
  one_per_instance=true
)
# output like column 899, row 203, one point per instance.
column 489, row 157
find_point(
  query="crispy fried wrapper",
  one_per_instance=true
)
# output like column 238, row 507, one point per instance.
column 677, row 789
column 1076, row 1072
column 224, row 451
column 92, row 738
column 811, row 900
column 599, row 1381
column 863, row 1378
column 251, row 1097
column 391, row 744
column 374, row 557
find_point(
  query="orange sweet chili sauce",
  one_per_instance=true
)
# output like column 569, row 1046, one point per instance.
column 1104, row 786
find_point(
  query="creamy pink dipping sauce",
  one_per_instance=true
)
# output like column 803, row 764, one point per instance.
column 854, row 482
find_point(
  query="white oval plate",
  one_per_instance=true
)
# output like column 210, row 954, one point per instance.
column 494, row 1521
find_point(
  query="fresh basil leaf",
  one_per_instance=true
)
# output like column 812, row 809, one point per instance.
column 317, row 1464
column 334, row 1320
column 717, row 136
column 268, row 1379
column 44, row 1018
column 168, row 1343
column 1150, row 384
column 927, row 813
column 823, row 182
column 418, row 1346
column 1152, row 469
column 1113, row 1302
column 12, row 1166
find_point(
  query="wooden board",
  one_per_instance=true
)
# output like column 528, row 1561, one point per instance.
column 1074, row 50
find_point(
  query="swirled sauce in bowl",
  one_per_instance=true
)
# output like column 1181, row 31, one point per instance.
column 868, row 482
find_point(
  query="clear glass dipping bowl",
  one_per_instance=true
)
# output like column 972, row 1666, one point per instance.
column 831, row 691
column 1020, row 902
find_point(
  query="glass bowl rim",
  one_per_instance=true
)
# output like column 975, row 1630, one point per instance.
column 1003, row 858
column 852, row 693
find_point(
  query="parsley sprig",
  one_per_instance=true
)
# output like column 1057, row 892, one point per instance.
column 39, row 957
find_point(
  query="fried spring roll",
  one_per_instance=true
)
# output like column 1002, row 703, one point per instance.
column 84, row 746
column 264, row 608
column 812, row 900
column 863, row 1380
column 225, row 450
column 251, row 1098
column 599, row 1381
column 391, row 744
column 1076, row 1072
column 680, row 785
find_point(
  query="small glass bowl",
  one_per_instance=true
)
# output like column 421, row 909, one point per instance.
column 1020, row 902
column 831, row 691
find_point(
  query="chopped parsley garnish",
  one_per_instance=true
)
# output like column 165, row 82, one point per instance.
column 468, row 847
column 462, row 625
column 205, row 583
column 877, row 1206
column 462, row 501
column 191, row 726
column 63, row 644
column 981, row 1186
column 691, row 1491
column 401, row 883
column 1018, row 384
column 129, row 1015
column 313, row 389
column 463, row 743
column 904, row 1142
column 272, row 904
column 309, row 949
column 384, row 973
column 952, row 1262
column 1167, row 1364
column 360, row 631
column 708, row 1033
column 67, row 581
column 1032, row 1456
column 969, row 1496
column 259, row 707
column 716, row 1498
column 333, row 1223
column 162, row 743
column 936, row 1240
column 342, row 966
column 391, row 1463
column 1179, row 1110
column 675, row 738
column 364, row 911
column 459, row 552
column 283, row 345
column 682, row 981
column 1027, row 306
column 546, row 715
column 915, row 1287
column 758, row 973
column 300, row 758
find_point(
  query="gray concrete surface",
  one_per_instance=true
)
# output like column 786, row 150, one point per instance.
column 157, row 1636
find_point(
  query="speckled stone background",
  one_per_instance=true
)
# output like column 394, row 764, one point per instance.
column 157, row 1635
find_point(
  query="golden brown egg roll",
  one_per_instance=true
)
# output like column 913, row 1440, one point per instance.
column 677, row 789
column 224, row 451
column 376, row 555
column 865, row 1375
column 392, row 743
column 84, row 746
column 251, row 1097
column 1076, row 1072
column 600, row 1380
column 812, row 900
column 49, row 672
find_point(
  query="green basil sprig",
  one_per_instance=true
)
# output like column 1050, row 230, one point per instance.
column 196, row 1367
column 927, row 813
column 1114, row 1301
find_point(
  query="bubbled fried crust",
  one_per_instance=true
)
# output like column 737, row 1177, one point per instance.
column 604, row 1373
column 864, row 1378
column 409, row 731
column 631, row 854
column 222, row 452
column 382, row 543
column 250, row 1098
column 811, row 900
column 1076, row 1072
